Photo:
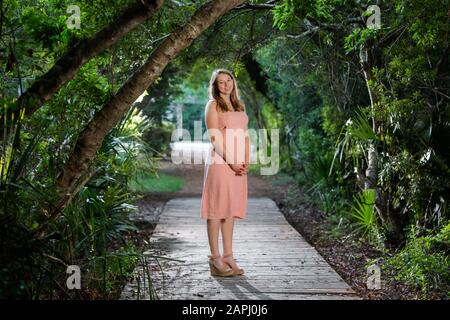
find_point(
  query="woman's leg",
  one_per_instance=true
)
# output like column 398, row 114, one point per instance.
column 213, row 226
column 215, row 258
column 227, row 235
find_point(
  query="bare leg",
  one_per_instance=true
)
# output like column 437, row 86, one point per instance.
column 213, row 236
column 221, row 269
column 227, row 235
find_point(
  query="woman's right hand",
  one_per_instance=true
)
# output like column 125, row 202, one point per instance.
column 238, row 168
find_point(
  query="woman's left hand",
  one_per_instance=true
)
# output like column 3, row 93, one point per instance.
column 245, row 167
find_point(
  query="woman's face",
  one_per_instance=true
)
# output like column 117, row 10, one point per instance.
column 224, row 83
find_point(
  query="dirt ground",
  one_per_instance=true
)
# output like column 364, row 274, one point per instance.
column 346, row 257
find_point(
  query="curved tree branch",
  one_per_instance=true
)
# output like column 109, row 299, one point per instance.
column 104, row 120
column 66, row 68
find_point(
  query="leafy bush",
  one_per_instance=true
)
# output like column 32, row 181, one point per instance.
column 424, row 262
column 158, row 139
column 96, row 218
column 112, row 269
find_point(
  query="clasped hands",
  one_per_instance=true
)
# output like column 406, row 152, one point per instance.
column 240, row 169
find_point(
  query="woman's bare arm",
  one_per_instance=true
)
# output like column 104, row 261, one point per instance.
column 212, row 125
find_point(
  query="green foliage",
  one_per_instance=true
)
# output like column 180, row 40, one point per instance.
column 424, row 262
column 157, row 139
column 289, row 11
column 103, row 218
column 333, row 120
column 405, row 125
column 356, row 135
column 332, row 201
column 284, row 14
column 313, row 91
column 358, row 37
column 359, row 127
column 363, row 210
column 319, row 171
column 160, row 183
column 340, row 223
column 112, row 269
column 97, row 217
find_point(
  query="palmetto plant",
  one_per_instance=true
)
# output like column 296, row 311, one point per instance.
column 127, row 152
column 363, row 210
column 22, row 202
column 101, row 211
column 354, row 139
column 96, row 218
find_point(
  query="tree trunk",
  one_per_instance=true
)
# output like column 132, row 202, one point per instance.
column 256, row 109
column 256, row 74
column 258, row 114
column 389, row 219
column 104, row 120
column 66, row 68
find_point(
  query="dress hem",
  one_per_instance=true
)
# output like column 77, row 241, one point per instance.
column 232, row 216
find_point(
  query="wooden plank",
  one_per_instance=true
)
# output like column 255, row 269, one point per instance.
column 259, row 295
column 278, row 262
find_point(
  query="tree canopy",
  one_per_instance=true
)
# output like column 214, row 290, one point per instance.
column 360, row 97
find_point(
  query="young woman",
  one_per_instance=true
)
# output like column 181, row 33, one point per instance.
column 224, row 196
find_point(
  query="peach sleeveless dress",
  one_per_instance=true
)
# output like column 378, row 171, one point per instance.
column 224, row 193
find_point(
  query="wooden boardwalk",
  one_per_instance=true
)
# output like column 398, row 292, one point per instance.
column 279, row 264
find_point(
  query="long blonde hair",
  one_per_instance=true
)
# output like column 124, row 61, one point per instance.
column 214, row 92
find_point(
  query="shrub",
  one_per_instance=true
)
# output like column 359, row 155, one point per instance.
column 424, row 261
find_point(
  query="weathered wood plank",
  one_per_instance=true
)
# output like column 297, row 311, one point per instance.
column 278, row 262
